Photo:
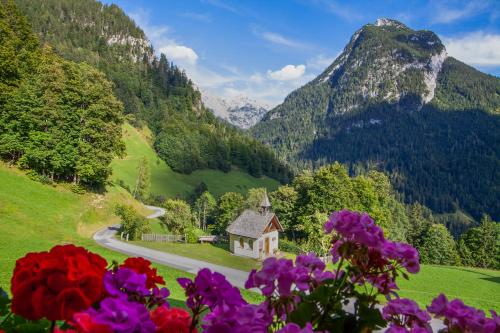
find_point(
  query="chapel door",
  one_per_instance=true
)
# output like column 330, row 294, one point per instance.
column 267, row 245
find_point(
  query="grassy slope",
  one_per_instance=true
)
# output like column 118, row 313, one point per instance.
column 172, row 184
column 35, row 217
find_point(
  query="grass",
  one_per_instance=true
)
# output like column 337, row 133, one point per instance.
column 214, row 254
column 476, row 287
column 35, row 217
column 164, row 181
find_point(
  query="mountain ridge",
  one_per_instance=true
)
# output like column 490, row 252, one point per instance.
column 240, row 111
column 427, row 114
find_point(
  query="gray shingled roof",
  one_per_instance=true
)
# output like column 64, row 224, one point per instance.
column 250, row 224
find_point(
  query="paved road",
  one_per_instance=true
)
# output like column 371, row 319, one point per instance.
column 105, row 238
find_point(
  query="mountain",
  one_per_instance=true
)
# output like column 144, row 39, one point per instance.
column 240, row 111
column 152, row 89
column 394, row 100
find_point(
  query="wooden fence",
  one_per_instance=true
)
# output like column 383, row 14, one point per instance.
column 162, row 238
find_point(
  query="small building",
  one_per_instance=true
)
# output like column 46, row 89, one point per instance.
column 254, row 234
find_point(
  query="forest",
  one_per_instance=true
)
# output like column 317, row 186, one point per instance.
column 152, row 89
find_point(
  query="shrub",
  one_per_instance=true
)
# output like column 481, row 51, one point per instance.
column 289, row 246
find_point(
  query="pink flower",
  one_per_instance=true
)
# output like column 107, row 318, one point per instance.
column 404, row 315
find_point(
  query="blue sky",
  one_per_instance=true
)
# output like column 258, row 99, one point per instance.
column 264, row 49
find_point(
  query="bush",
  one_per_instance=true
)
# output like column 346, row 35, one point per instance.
column 289, row 246
column 132, row 224
column 78, row 189
column 33, row 175
column 192, row 234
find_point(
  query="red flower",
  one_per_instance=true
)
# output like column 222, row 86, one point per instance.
column 143, row 266
column 58, row 283
column 173, row 320
column 84, row 324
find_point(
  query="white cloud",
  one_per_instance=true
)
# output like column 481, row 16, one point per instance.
column 202, row 17
column 159, row 36
column 477, row 48
column 282, row 40
column 179, row 53
column 443, row 14
column 287, row 73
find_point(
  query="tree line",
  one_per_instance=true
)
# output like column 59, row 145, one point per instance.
column 303, row 207
column 58, row 118
column 152, row 89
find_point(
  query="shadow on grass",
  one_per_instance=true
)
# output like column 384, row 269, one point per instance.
column 223, row 246
column 487, row 277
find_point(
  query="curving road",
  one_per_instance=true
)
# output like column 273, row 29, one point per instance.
column 106, row 238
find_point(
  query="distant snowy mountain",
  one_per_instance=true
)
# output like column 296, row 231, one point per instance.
column 240, row 111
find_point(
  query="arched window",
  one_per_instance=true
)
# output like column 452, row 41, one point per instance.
column 242, row 243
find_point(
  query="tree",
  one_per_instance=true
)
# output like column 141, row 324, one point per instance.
column 420, row 220
column 479, row 246
column 438, row 247
column 229, row 205
column 254, row 197
column 205, row 206
column 178, row 217
column 142, row 183
column 132, row 224
column 284, row 201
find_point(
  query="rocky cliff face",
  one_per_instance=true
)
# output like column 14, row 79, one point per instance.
column 394, row 100
column 241, row 111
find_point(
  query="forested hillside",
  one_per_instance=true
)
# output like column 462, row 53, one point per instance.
column 58, row 118
column 394, row 101
column 152, row 89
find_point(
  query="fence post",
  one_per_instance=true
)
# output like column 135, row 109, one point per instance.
column 121, row 235
column 127, row 237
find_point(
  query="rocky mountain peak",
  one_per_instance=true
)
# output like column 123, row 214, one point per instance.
column 240, row 111
column 385, row 62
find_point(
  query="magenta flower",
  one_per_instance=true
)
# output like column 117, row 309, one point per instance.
column 122, row 316
column 125, row 282
column 275, row 275
column 459, row 317
column 404, row 315
column 248, row 318
column 210, row 289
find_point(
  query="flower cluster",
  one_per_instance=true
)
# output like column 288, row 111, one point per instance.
column 360, row 242
column 69, row 283
column 404, row 315
column 459, row 317
column 57, row 284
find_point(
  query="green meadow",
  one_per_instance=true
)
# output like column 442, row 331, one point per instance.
column 34, row 217
column 164, row 181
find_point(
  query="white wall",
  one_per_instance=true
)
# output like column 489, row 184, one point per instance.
column 246, row 250
column 261, row 244
column 258, row 249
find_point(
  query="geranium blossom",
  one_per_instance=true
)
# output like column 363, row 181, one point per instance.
column 143, row 266
column 210, row 289
column 404, row 315
column 124, row 282
column 119, row 315
column 459, row 317
column 173, row 320
column 58, row 283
